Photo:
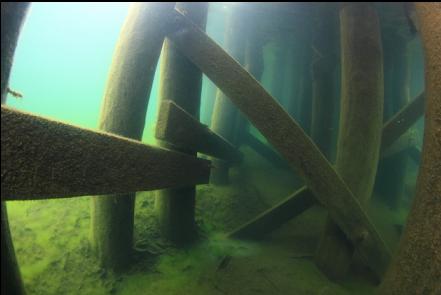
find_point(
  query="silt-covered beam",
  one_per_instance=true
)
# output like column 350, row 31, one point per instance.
column 402, row 121
column 123, row 112
column 275, row 216
column 44, row 159
column 287, row 137
column 180, row 129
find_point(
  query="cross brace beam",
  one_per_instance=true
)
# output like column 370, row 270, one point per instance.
column 44, row 159
column 287, row 137
column 179, row 128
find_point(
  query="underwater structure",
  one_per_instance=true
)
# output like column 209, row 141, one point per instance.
column 349, row 71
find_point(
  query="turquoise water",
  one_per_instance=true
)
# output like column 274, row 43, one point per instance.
column 65, row 50
column 63, row 56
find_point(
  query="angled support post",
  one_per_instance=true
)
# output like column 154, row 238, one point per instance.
column 361, row 119
column 287, row 137
column 402, row 121
column 181, row 82
column 225, row 116
column 123, row 113
column 275, row 216
column 45, row 159
column 416, row 267
column 181, row 130
column 254, row 229
column 12, row 19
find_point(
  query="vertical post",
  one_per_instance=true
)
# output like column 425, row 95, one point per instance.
column 305, row 96
column 392, row 171
column 299, row 95
column 416, row 268
column 361, row 119
column 277, row 66
column 322, row 70
column 12, row 18
column 11, row 277
column 253, row 63
column 123, row 112
column 181, row 82
column 300, row 106
column 223, row 120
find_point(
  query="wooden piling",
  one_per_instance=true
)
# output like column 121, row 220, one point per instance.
column 12, row 18
column 323, row 83
column 181, row 82
column 254, row 64
column 223, row 120
column 392, row 171
column 123, row 113
column 287, row 137
column 361, row 118
column 269, row 218
column 416, row 268
column 299, row 99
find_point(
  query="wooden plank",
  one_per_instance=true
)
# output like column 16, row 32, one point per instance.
column 402, row 121
column 265, row 151
column 287, row 137
column 276, row 216
column 44, row 159
column 179, row 128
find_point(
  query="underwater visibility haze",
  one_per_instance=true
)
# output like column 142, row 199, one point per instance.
column 221, row 148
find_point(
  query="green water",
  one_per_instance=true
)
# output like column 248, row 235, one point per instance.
column 59, row 76
column 63, row 58
column 61, row 66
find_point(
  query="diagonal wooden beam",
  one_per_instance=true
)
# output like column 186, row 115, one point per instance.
column 179, row 128
column 269, row 220
column 287, row 137
column 404, row 142
column 402, row 121
column 263, row 150
column 275, row 216
column 392, row 130
column 44, row 159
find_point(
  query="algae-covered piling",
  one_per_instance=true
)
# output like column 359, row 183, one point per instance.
column 12, row 18
column 123, row 113
column 224, row 118
column 323, row 68
column 416, row 269
column 181, row 83
column 361, row 118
